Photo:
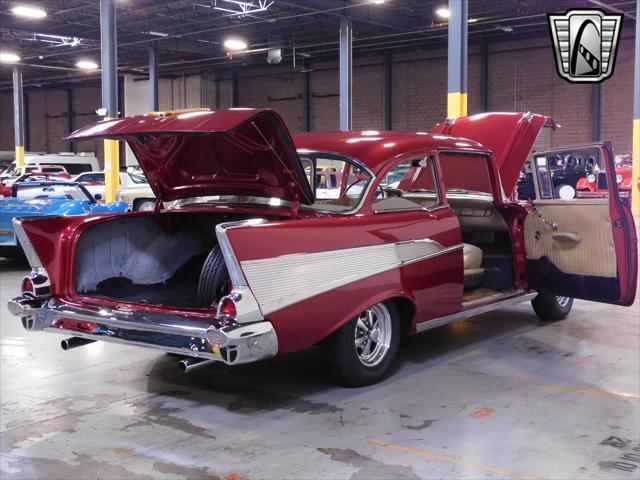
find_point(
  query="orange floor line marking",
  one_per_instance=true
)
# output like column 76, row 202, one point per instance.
column 453, row 460
column 581, row 391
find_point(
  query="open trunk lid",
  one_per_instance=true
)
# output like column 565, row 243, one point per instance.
column 510, row 136
column 237, row 151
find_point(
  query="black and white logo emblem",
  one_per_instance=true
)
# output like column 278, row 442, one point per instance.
column 585, row 43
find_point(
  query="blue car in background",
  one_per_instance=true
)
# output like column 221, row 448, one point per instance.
column 30, row 199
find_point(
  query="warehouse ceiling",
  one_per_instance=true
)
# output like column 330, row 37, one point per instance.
column 190, row 35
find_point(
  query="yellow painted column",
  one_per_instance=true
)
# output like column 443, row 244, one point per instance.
column 19, row 155
column 111, row 170
column 635, row 175
column 456, row 105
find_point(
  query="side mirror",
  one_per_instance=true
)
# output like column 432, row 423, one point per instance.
column 98, row 196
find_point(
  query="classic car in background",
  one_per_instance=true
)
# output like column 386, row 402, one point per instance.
column 94, row 183
column 565, row 167
column 45, row 198
column 136, row 191
column 6, row 185
column 247, row 263
column 595, row 184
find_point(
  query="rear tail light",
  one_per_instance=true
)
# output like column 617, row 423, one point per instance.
column 227, row 308
column 37, row 284
column 27, row 285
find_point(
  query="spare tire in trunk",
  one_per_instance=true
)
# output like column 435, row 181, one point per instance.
column 214, row 282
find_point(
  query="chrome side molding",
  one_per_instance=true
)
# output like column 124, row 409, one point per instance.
column 513, row 297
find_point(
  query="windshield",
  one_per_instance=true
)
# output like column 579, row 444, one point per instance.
column 138, row 178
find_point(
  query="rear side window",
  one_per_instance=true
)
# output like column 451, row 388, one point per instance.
column 340, row 182
column 410, row 185
column 465, row 173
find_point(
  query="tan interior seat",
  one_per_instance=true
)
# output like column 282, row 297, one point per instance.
column 472, row 261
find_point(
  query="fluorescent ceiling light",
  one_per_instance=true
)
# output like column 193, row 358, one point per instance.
column 378, row 2
column 235, row 44
column 28, row 12
column 472, row 20
column 443, row 12
column 8, row 57
column 87, row 65
column 158, row 34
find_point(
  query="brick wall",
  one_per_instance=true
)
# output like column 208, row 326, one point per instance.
column 46, row 111
column 522, row 76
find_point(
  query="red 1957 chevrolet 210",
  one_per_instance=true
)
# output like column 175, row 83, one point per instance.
column 246, row 264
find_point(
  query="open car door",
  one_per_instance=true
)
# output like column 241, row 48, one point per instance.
column 581, row 247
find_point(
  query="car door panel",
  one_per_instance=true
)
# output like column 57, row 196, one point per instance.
column 583, row 248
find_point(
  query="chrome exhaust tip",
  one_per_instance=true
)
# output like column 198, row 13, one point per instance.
column 186, row 365
column 73, row 342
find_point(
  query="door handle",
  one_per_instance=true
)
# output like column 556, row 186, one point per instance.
column 566, row 237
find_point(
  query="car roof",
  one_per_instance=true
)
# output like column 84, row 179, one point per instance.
column 374, row 148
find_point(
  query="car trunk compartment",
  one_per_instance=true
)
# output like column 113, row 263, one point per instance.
column 149, row 259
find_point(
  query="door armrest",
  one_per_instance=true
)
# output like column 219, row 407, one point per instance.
column 566, row 237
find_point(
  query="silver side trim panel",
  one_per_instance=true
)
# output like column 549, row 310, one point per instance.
column 283, row 281
column 513, row 297
column 29, row 251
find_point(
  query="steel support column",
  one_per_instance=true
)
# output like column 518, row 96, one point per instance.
column 235, row 93
column 18, row 114
column 484, row 76
column 108, row 48
column 635, row 179
column 306, row 101
column 457, row 68
column 346, row 73
column 70, row 118
column 597, row 112
column 387, row 93
column 153, row 78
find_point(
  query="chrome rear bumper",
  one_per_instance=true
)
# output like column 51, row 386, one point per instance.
column 231, row 343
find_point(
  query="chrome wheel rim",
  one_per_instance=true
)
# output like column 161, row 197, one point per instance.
column 373, row 335
column 147, row 206
column 563, row 301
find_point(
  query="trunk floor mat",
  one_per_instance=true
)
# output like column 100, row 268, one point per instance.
column 174, row 294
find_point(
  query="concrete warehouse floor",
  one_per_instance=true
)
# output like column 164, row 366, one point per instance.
column 497, row 396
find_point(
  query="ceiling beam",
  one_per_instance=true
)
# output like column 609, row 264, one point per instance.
column 173, row 44
column 611, row 8
column 362, row 12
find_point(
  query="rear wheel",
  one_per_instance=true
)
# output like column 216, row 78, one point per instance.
column 214, row 282
column 551, row 308
column 362, row 351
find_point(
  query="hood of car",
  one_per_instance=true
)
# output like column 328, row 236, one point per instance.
column 237, row 151
column 510, row 136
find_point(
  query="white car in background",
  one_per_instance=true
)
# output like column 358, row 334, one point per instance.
column 137, row 192
column 132, row 185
